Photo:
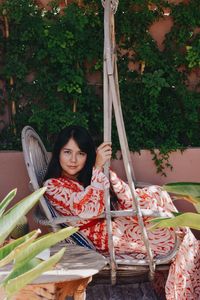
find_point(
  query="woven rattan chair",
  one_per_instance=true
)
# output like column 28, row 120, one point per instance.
column 36, row 160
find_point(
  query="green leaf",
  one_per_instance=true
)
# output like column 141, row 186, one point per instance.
column 4, row 203
column 42, row 243
column 157, row 220
column 191, row 220
column 9, row 251
column 16, row 284
column 12, row 217
column 189, row 191
column 20, row 270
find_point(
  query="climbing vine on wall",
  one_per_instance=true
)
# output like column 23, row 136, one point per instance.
column 51, row 56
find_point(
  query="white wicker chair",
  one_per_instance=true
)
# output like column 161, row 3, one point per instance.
column 36, row 160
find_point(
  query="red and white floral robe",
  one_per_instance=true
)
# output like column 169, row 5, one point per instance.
column 70, row 198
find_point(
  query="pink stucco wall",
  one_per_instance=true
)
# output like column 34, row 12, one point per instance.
column 186, row 167
column 13, row 174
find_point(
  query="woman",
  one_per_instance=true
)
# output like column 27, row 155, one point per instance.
column 76, row 186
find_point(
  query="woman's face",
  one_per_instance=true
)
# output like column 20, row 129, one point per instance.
column 72, row 159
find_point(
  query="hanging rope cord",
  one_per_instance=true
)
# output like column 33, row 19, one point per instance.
column 112, row 97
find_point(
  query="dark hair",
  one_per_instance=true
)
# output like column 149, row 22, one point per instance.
column 85, row 142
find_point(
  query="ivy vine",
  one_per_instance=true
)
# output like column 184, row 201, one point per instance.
column 49, row 56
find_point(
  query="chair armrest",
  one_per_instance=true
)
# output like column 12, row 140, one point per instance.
column 40, row 218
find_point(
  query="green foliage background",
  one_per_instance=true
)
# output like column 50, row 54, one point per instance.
column 50, row 56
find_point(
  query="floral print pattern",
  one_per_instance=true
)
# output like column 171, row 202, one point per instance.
column 70, row 198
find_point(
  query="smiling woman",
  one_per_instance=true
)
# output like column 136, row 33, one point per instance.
column 73, row 155
column 72, row 159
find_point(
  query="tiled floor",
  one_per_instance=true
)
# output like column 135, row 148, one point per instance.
column 136, row 291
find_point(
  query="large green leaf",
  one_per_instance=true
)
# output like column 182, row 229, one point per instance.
column 189, row 219
column 23, row 251
column 12, row 217
column 42, row 243
column 22, row 269
column 9, row 251
column 25, row 260
column 14, row 285
column 4, row 203
column 189, row 191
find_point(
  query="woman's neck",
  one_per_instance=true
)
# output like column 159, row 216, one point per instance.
column 72, row 177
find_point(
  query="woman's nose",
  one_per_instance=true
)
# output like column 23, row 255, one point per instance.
column 73, row 157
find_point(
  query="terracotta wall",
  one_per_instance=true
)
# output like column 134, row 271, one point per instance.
column 185, row 167
column 13, row 174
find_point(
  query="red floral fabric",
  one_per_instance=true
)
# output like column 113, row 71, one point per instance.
column 69, row 198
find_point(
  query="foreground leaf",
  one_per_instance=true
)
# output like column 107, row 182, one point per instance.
column 12, row 217
column 189, row 191
column 9, row 252
column 22, row 269
column 42, row 243
column 6, row 201
column 12, row 286
column 191, row 220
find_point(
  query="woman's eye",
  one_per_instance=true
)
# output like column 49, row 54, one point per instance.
column 67, row 151
column 82, row 153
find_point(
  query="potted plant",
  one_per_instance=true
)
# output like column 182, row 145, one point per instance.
column 22, row 252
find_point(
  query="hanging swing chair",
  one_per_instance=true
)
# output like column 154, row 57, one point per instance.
column 37, row 158
column 112, row 99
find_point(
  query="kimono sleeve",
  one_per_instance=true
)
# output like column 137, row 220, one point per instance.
column 122, row 191
column 70, row 198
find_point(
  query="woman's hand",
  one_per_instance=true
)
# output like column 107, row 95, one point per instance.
column 104, row 153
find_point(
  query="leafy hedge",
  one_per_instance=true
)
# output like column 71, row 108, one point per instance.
column 49, row 56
